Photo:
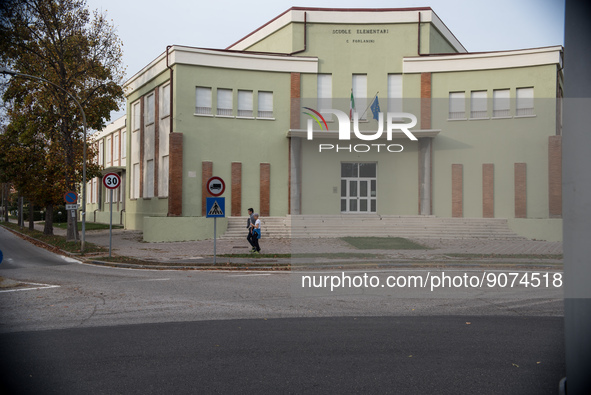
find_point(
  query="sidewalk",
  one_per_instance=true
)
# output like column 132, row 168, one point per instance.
column 130, row 243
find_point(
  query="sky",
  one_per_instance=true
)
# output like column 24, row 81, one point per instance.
column 148, row 26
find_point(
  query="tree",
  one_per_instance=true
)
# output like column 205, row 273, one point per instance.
column 59, row 41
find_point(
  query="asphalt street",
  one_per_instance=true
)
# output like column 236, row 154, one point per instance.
column 78, row 328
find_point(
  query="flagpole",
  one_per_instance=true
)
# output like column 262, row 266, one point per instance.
column 370, row 103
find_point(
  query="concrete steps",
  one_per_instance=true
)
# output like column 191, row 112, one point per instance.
column 426, row 227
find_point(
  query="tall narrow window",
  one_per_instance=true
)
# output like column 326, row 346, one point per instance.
column 93, row 193
column 524, row 101
column 163, row 179
column 394, row 92
column 135, row 115
column 135, row 192
column 165, row 101
column 149, row 184
column 457, row 105
column 108, row 151
column 265, row 105
column 203, row 101
column 224, row 102
column 245, row 103
column 149, row 109
column 360, row 95
column 123, row 144
column 324, row 93
column 116, row 138
column 501, row 103
column 101, row 157
column 478, row 104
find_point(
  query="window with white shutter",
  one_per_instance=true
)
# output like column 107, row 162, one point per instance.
column 457, row 105
column 203, row 101
column 478, row 104
column 245, row 103
column 265, row 105
column 501, row 103
column 224, row 103
column 524, row 101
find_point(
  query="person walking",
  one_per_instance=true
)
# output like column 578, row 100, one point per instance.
column 249, row 226
column 256, row 233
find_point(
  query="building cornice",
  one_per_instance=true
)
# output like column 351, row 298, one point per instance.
column 483, row 60
column 114, row 126
column 347, row 16
column 222, row 59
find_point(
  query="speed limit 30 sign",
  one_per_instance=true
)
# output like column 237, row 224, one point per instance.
column 111, row 180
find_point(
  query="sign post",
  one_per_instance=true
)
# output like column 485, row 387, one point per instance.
column 71, row 198
column 215, row 207
column 111, row 181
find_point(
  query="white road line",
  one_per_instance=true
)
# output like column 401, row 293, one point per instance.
column 156, row 279
column 40, row 286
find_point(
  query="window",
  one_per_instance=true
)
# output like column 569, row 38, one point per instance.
column 525, row 101
column 358, row 187
column 224, row 102
column 149, row 109
column 245, row 104
column 135, row 116
column 123, row 144
column 108, row 149
column 203, row 101
column 149, row 191
column 457, row 105
column 116, row 138
column 394, row 92
column 360, row 95
column 135, row 192
column 265, row 105
column 324, row 93
column 501, row 103
column 163, row 179
column 478, row 104
column 93, row 191
column 100, row 154
column 165, row 101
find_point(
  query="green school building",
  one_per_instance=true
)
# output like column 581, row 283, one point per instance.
column 274, row 115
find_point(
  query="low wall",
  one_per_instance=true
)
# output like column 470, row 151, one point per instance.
column 537, row 229
column 162, row 229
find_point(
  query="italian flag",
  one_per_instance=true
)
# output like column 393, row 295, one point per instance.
column 351, row 105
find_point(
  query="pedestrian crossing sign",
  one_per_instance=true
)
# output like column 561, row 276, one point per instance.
column 215, row 207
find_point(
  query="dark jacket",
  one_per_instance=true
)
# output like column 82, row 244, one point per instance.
column 249, row 221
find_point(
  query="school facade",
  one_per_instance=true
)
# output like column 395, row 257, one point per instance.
column 261, row 115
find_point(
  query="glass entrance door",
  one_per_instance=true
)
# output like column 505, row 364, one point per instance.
column 358, row 187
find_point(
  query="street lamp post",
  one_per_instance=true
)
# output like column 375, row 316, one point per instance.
column 17, row 74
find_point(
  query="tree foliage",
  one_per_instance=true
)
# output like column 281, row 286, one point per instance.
column 61, row 42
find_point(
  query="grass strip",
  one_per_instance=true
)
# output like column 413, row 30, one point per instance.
column 88, row 226
column 140, row 262
column 506, row 256
column 383, row 243
column 58, row 242
column 330, row 255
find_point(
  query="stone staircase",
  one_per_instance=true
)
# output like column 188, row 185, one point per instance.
column 417, row 227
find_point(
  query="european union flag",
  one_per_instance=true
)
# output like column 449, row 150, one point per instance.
column 375, row 108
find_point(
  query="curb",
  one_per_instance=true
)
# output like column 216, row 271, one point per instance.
column 184, row 267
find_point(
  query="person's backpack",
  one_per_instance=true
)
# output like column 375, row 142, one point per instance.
column 257, row 232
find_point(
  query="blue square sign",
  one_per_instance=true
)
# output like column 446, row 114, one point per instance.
column 215, row 207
